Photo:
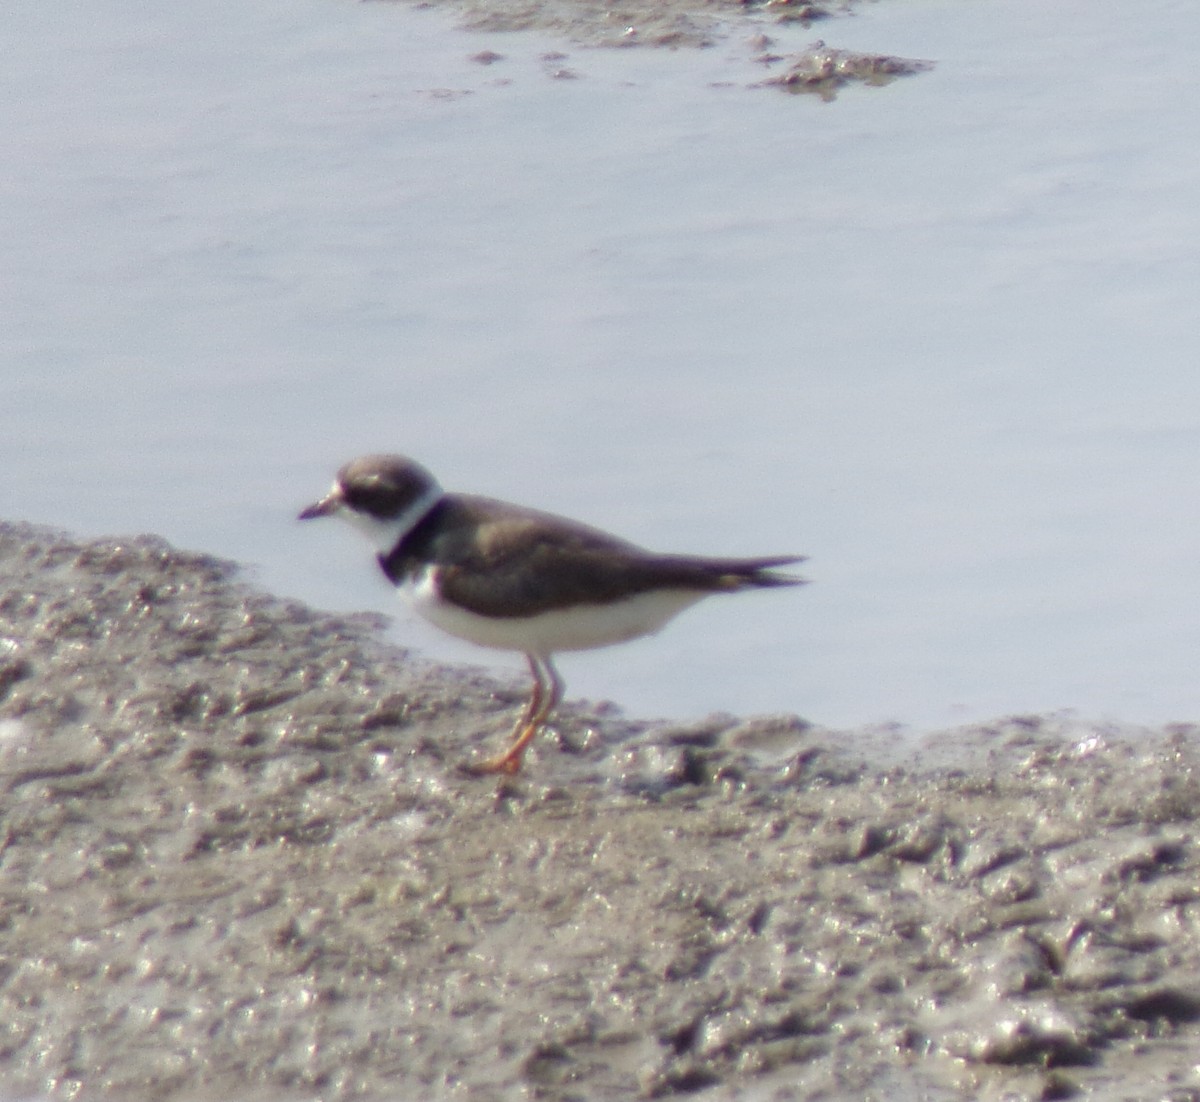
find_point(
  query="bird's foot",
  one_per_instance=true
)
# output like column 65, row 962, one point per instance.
column 506, row 765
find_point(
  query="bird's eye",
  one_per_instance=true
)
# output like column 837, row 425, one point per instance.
column 380, row 499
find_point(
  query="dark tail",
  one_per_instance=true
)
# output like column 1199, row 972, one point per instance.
column 747, row 573
column 729, row 575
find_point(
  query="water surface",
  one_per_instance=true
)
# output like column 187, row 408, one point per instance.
column 939, row 336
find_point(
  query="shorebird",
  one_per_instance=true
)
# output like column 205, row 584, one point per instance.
column 512, row 578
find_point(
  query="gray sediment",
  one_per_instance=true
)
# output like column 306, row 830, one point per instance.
column 238, row 860
column 818, row 69
column 631, row 23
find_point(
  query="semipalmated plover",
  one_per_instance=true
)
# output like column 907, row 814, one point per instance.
column 503, row 576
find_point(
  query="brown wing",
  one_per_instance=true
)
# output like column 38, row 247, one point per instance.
column 523, row 562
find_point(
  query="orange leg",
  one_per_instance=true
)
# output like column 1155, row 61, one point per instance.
column 547, row 695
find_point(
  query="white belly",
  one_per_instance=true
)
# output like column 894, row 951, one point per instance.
column 581, row 627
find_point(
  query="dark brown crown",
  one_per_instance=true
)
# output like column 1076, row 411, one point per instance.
column 383, row 486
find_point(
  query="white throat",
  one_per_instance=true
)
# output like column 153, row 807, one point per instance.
column 385, row 534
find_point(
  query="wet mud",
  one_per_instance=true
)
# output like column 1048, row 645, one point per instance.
column 670, row 23
column 818, row 69
column 238, row 860
column 823, row 71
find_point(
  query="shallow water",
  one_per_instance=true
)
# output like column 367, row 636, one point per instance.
column 938, row 335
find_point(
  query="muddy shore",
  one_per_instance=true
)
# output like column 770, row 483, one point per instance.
column 818, row 69
column 238, row 860
column 624, row 23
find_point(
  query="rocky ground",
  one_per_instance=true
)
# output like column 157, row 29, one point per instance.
column 238, row 860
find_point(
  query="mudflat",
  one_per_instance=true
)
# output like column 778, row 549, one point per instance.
column 238, row 859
